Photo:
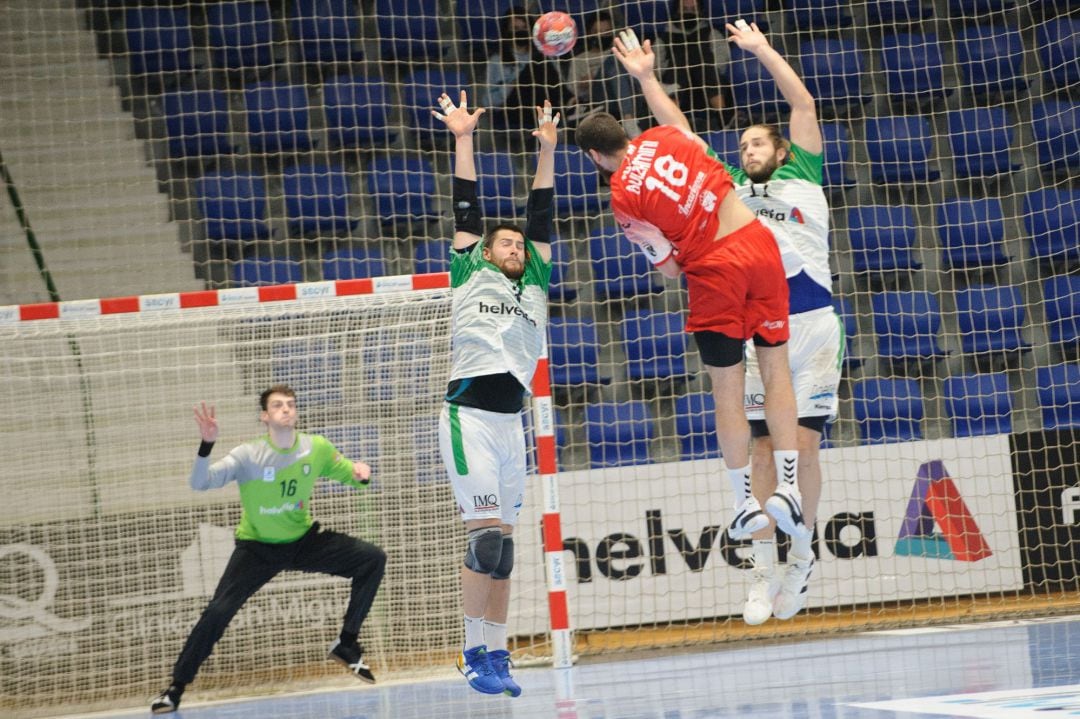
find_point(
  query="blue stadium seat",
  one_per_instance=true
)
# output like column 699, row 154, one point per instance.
column 573, row 352
column 981, row 139
column 233, row 206
column 655, row 345
column 913, row 67
column 648, row 18
column 196, row 123
column 1058, row 41
column 809, row 15
column 836, row 140
column 317, row 199
column 882, row 238
column 1059, row 395
column 403, row 188
column 1061, row 303
column 478, row 25
column 991, row 59
column 326, row 30
column 158, row 40
column 1056, row 128
column 409, row 30
column 495, row 184
column 356, row 108
column 419, row 93
column 907, row 324
column 753, row 88
column 620, row 270
column 725, row 143
column 990, row 319
column 979, row 404
column 353, row 264
column 971, row 232
column 833, row 71
column 277, row 118
column 888, row 410
column 961, row 9
column 561, row 288
column 256, row 271
column 890, row 13
column 899, row 149
column 312, row 367
column 576, row 183
column 357, row 441
column 1052, row 220
column 618, row 433
column 843, row 309
column 719, row 12
column 432, row 256
column 241, row 34
column 695, row 425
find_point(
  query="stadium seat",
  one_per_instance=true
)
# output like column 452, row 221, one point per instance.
column 913, row 67
column 620, row 270
column 837, row 151
column 1059, row 395
column 317, row 199
column 478, row 25
column 326, row 30
column 981, row 140
column 991, row 59
column 576, row 183
column 1052, row 220
column 311, row 366
column 963, row 9
column 890, row 13
column 655, row 345
column 357, row 441
column 353, row 264
column 1061, row 303
column 432, row 256
column 256, row 271
column 888, row 410
column 1056, row 128
column 725, row 143
column 1058, row 41
column 811, row 15
column 971, row 232
column 899, row 149
column 844, row 310
column 409, row 30
column 648, row 18
column 495, row 184
column 233, row 206
column 833, row 71
column 158, row 40
column 990, row 319
column 618, row 433
column 241, row 34
column 403, row 188
column 196, row 123
column 277, row 118
column 573, row 352
column 561, row 288
column 724, row 11
column 979, row 404
column 754, row 90
column 356, row 108
column 419, row 92
column 907, row 324
column 882, row 238
column 695, row 425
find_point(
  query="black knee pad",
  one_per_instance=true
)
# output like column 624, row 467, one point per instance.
column 506, row 561
column 485, row 550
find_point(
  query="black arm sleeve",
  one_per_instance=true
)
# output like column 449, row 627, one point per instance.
column 539, row 214
column 467, row 217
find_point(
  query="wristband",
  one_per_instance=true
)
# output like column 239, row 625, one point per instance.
column 467, row 207
column 205, row 447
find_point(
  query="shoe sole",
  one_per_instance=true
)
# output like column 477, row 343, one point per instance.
column 781, row 509
column 754, row 523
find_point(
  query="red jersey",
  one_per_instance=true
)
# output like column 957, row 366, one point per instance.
column 666, row 192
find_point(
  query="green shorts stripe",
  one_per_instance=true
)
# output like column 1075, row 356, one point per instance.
column 461, row 465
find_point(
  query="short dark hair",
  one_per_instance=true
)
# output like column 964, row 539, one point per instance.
column 276, row 389
column 489, row 236
column 601, row 132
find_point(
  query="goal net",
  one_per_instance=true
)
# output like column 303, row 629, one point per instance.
column 233, row 148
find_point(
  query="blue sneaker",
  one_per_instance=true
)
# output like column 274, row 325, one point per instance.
column 475, row 665
column 500, row 661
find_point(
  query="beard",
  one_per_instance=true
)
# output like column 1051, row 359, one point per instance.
column 513, row 272
column 763, row 172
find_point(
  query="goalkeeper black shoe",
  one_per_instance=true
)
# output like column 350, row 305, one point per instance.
column 168, row 701
column 352, row 656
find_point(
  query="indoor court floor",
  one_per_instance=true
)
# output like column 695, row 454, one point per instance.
column 1002, row 670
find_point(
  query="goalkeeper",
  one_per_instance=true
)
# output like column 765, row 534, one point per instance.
column 276, row 474
column 499, row 281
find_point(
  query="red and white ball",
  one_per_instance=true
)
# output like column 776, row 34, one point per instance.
column 555, row 33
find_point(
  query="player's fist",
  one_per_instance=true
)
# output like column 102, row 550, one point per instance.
column 361, row 472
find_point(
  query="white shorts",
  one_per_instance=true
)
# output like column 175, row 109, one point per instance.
column 484, row 454
column 816, row 353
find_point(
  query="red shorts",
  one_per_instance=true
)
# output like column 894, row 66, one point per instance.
column 739, row 288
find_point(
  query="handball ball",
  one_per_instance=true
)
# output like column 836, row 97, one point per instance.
column 555, row 33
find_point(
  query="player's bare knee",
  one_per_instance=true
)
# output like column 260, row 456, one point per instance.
column 484, row 551
column 506, row 560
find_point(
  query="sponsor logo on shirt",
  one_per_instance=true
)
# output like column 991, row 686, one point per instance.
column 794, row 215
column 287, row 507
column 641, row 159
column 504, row 309
column 269, row 474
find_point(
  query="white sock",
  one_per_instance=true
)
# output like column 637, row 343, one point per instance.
column 800, row 547
column 474, row 631
column 764, row 553
column 740, row 483
column 787, row 466
column 495, row 635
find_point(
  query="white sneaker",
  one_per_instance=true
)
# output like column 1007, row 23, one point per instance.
column 785, row 506
column 748, row 519
column 791, row 597
column 759, row 601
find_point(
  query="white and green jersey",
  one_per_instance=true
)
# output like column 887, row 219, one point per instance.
column 793, row 205
column 499, row 325
column 275, row 484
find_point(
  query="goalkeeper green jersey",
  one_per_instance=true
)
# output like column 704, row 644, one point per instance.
column 275, row 484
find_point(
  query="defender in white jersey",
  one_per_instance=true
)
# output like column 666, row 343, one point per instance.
column 781, row 182
column 500, row 282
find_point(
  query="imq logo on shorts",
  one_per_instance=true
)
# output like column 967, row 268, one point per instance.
column 485, row 501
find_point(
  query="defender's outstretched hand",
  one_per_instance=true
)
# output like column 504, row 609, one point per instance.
column 638, row 59
column 747, row 37
column 546, row 126
column 208, row 426
column 458, row 119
